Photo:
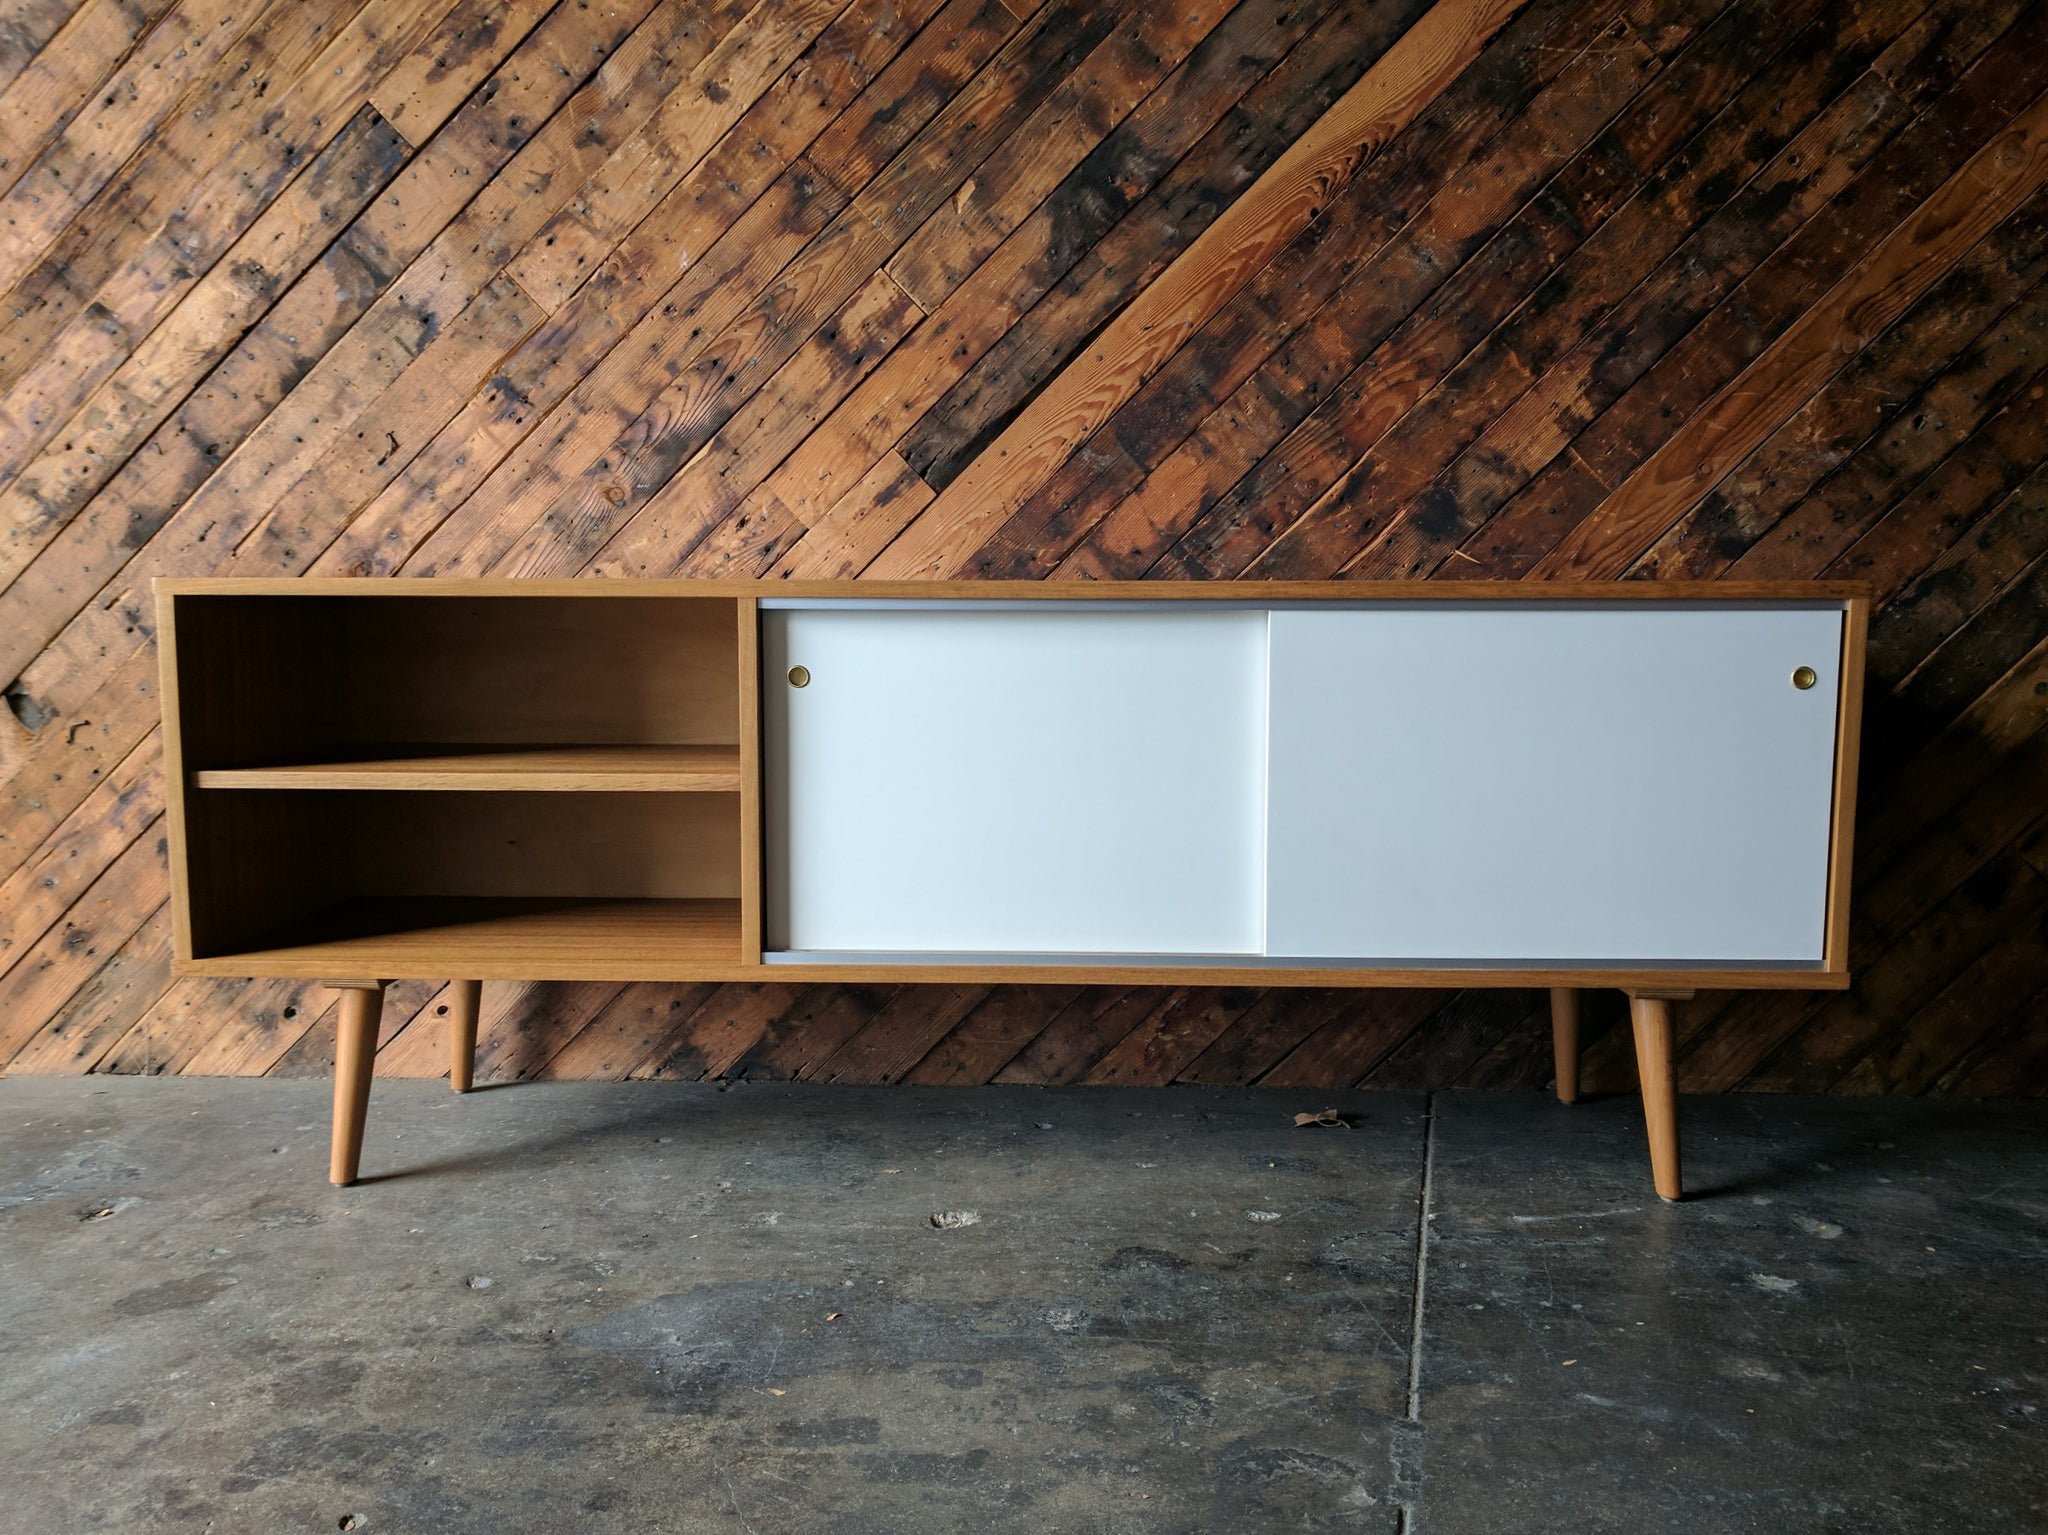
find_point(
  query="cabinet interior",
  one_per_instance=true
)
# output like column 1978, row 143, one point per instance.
column 280, row 680
column 387, row 767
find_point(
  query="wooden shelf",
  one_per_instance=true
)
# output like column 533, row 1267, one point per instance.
column 566, row 769
column 502, row 938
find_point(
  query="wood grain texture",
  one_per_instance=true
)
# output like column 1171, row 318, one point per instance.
column 1264, row 219
column 561, row 769
column 1623, row 291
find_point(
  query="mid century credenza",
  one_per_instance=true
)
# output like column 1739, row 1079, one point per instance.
column 1641, row 786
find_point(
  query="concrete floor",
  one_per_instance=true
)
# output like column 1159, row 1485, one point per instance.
column 653, row 1307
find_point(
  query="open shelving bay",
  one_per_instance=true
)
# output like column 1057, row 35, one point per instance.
column 501, row 785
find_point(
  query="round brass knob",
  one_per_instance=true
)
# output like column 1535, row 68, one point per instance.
column 800, row 677
column 1805, row 678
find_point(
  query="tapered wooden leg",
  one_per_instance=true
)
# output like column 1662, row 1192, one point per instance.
column 1652, row 1018
column 464, row 998
column 1564, row 1040
column 355, row 1061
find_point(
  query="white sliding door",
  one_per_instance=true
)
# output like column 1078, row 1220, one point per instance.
column 1493, row 782
column 1039, row 778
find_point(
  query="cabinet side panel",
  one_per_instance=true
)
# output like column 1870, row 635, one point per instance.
column 1569, row 786
column 176, row 786
column 1848, row 753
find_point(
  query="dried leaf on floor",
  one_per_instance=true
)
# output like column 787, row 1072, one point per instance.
column 1327, row 1117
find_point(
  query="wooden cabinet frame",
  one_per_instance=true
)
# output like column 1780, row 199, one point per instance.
column 302, row 715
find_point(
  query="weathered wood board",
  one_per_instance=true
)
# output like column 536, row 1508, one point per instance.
column 1033, row 288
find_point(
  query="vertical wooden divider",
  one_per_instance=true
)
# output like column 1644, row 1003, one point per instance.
column 750, row 779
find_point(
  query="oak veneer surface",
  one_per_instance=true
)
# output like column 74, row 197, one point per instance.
column 1627, row 289
column 650, row 769
column 496, row 937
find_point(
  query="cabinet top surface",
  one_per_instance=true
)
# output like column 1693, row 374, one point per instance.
column 1043, row 591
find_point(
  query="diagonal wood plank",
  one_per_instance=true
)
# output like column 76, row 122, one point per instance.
column 49, row 189
column 29, row 29
column 430, row 315
column 1995, row 181
column 611, row 492
column 1207, row 274
column 1176, row 147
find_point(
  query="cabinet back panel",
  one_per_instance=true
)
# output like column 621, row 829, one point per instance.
column 660, row 846
column 256, row 864
column 253, row 679
column 294, row 679
column 540, row 670
column 266, row 863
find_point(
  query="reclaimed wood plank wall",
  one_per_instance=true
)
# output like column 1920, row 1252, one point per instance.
column 1041, row 288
